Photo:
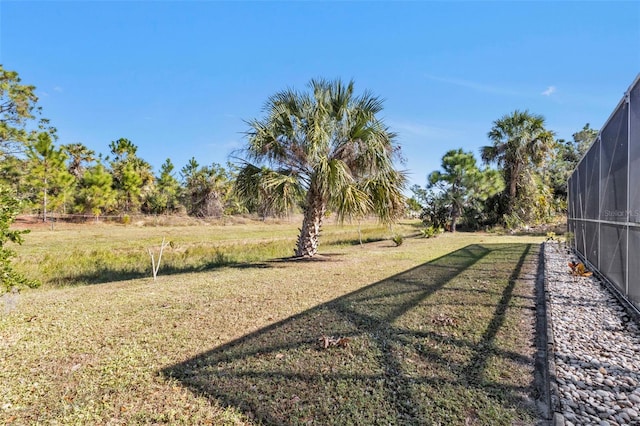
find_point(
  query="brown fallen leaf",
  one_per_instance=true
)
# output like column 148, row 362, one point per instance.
column 328, row 341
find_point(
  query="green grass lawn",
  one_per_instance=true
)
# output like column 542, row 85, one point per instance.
column 440, row 330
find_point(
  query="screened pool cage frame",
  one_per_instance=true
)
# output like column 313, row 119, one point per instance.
column 604, row 201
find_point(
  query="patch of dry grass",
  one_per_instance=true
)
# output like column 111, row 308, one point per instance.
column 138, row 351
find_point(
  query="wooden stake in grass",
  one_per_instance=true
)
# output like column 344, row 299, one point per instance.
column 154, row 266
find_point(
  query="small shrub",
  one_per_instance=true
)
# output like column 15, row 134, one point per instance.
column 397, row 240
column 221, row 259
column 126, row 219
column 431, row 231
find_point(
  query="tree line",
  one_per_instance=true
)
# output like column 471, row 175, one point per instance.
column 72, row 179
column 316, row 151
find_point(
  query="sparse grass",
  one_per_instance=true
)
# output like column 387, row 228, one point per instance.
column 440, row 331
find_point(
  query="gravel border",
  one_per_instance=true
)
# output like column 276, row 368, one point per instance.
column 592, row 348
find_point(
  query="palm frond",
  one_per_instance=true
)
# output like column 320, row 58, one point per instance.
column 282, row 190
column 351, row 202
column 385, row 192
column 248, row 184
column 277, row 191
column 331, row 175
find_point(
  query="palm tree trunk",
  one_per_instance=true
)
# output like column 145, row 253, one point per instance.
column 309, row 237
column 513, row 187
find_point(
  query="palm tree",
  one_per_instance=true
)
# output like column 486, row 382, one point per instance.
column 78, row 155
column 205, row 189
column 328, row 145
column 520, row 143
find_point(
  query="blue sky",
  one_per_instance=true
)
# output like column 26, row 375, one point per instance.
column 179, row 79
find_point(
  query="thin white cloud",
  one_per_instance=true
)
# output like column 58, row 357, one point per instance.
column 479, row 87
column 58, row 89
column 420, row 130
column 550, row 90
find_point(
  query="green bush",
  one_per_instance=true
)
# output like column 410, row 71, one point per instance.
column 9, row 209
column 397, row 240
column 431, row 231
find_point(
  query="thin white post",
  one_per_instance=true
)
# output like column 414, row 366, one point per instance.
column 155, row 267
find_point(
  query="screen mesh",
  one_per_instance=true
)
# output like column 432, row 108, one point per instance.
column 634, row 155
column 613, row 173
column 634, row 266
column 603, row 203
column 591, row 236
column 613, row 254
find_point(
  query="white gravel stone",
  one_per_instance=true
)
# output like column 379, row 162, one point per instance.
column 631, row 412
column 597, row 347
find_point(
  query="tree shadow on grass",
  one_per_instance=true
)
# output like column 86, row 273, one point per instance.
column 109, row 274
column 417, row 352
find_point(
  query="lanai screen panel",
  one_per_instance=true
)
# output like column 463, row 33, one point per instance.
column 613, row 167
column 592, row 182
column 634, row 157
column 634, row 266
column 634, row 195
column 591, row 203
column 613, row 254
column 581, row 184
column 571, row 210
column 580, row 237
column 591, row 237
column 580, row 203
